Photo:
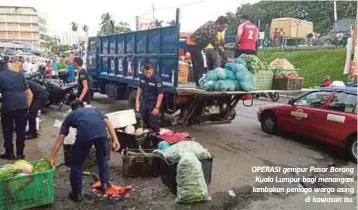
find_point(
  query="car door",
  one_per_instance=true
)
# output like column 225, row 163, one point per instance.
column 341, row 118
column 304, row 115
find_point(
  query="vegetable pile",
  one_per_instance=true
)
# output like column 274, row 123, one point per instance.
column 22, row 168
column 254, row 64
column 191, row 186
column 289, row 75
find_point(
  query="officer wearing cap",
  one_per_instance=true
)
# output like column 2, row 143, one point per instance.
column 16, row 99
column 151, row 88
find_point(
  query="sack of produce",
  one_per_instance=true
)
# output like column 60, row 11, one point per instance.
column 191, row 186
column 221, row 85
column 241, row 61
column 234, row 67
column 240, row 75
column 210, row 85
column 230, row 75
column 176, row 151
column 254, row 64
column 247, row 83
column 231, row 84
column 211, row 75
column 202, row 82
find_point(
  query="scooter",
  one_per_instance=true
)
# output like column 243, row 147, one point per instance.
column 271, row 95
column 60, row 95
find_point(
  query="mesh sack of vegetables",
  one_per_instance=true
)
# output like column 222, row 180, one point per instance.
column 247, row 83
column 240, row 74
column 221, row 85
column 191, row 186
column 176, row 151
column 211, row 75
column 230, row 75
column 239, row 60
column 234, row 67
column 210, row 85
column 231, row 84
column 202, row 82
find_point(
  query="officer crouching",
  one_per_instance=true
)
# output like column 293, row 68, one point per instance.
column 16, row 99
column 91, row 127
column 151, row 88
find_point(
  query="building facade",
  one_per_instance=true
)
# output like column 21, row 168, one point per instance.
column 20, row 25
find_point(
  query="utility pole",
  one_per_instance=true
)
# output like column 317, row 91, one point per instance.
column 335, row 10
column 153, row 15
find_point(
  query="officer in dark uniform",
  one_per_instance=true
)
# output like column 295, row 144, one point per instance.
column 39, row 99
column 91, row 127
column 16, row 98
column 152, row 90
column 84, row 89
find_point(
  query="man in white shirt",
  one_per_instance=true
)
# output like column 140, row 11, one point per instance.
column 27, row 66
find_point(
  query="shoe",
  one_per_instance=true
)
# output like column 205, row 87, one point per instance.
column 75, row 197
column 20, row 157
column 7, row 156
column 104, row 187
column 31, row 136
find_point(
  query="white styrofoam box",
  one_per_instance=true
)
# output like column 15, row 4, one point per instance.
column 71, row 137
column 122, row 119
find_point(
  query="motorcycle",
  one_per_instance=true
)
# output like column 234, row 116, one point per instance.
column 271, row 95
column 60, row 95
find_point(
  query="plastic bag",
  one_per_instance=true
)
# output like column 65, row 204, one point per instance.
column 176, row 151
column 210, row 85
column 202, row 82
column 221, row 85
column 247, row 83
column 221, row 73
column 230, row 75
column 240, row 75
column 211, row 75
column 191, row 186
column 234, row 67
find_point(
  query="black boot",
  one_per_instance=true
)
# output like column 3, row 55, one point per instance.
column 75, row 197
column 20, row 157
column 104, row 187
column 7, row 156
column 31, row 136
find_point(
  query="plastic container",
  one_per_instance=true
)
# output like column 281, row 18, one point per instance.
column 168, row 173
column 140, row 163
column 133, row 141
column 288, row 84
column 29, row 191
column 122, row 119
column 263, row 80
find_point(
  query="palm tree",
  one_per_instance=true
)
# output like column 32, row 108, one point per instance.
column 171, row 23
column 74, row 26
column 85, row 29
column 158, row 23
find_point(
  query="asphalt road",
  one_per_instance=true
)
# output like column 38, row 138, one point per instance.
column 236, row 148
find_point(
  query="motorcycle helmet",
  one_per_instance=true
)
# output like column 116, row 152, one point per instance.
column 42, row 69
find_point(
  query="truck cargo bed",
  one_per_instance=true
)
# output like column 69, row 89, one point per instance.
column 190, row 89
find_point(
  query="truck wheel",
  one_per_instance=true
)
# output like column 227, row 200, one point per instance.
column 131, row 99
column 352, row 147
column 268, row 123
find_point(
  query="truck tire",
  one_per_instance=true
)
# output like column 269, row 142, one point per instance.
column 131, row 99
column 352, row 147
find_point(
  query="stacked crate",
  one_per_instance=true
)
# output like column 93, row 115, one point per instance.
column 183, row 73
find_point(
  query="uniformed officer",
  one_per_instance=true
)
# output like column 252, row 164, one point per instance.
column 151, row 87
column 16, row 98
column 39, row 99
column 84, row 90
column 91, row 127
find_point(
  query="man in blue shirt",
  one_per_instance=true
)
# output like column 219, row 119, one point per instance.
column 70, row 69
column 151, row 87
column 16, row 99
column 91, row 127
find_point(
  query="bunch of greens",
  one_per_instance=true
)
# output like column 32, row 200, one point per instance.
column 254, row 64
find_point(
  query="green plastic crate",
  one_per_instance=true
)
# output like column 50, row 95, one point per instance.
column 263, row 80
column 23, row 192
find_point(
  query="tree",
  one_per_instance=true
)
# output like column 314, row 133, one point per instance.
column 171, row 22
column 107, row 24
column 74, row 26
column 158, row 23
column 122, row 27
column 85, row 29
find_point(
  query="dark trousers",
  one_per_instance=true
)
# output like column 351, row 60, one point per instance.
column 79, row 153
column 213, row 59
column 31, row 117
column 197, row 61
column 150, row 120
column 239, row 52
column 8, row 120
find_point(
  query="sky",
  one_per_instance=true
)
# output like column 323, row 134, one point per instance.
column 61, row 13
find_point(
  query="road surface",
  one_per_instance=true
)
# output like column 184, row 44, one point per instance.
column 236, row 148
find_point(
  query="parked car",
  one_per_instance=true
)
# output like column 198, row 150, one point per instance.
column 328, row 114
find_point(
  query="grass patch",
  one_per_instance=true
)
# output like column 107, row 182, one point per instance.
column 313, row 64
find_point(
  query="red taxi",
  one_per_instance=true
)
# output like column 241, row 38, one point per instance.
column 328, row 114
